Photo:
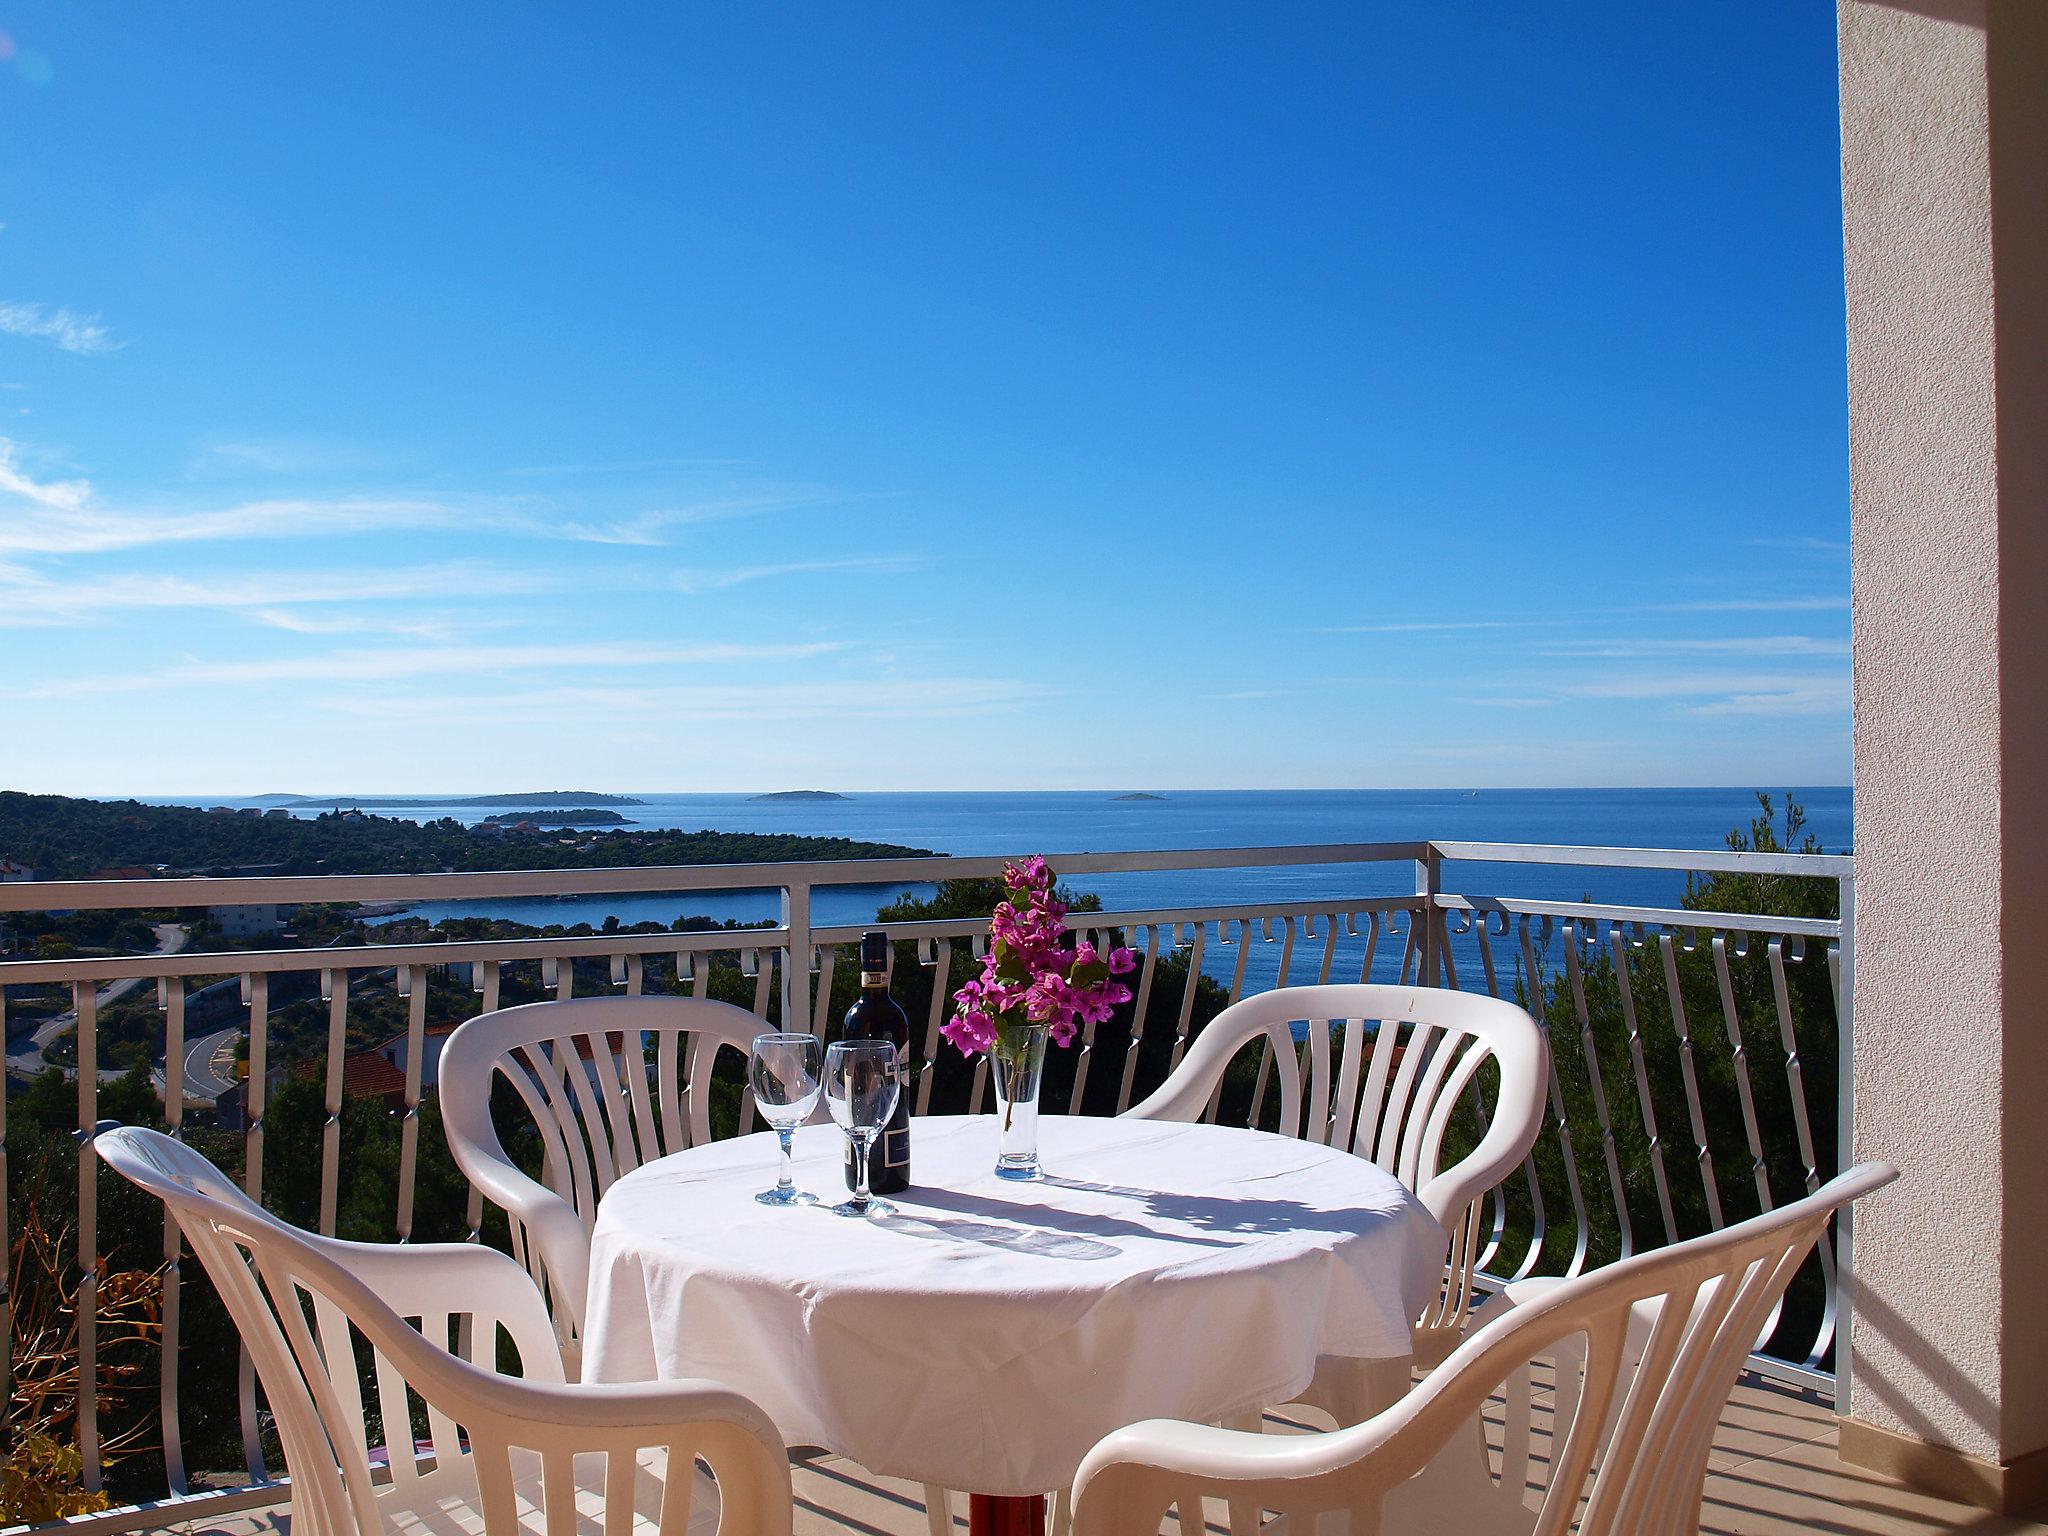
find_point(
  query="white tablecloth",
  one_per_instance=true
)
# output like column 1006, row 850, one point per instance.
column 988, row 1335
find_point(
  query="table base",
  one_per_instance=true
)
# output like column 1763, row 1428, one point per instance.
column 991, row 1514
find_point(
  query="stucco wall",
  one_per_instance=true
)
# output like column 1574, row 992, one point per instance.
column 1951, row 1073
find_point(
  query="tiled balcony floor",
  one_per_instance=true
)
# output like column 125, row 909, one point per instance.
column 1774, row 1471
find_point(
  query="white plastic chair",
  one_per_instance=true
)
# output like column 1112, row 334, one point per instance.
column 1392, row 1104
column 610, row 1083
column 504, row 1454
column 1633, row 1420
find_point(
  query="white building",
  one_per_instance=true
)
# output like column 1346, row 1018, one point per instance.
column 257, row 920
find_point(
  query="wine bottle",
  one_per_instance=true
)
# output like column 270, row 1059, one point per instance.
column 875, row 1015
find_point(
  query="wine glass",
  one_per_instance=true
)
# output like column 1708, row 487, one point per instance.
column 861, row 1087
column 784, row 1074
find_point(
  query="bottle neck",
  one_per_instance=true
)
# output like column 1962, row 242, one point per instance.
column 874, row 981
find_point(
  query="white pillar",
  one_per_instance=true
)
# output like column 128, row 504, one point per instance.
column 1945, row 220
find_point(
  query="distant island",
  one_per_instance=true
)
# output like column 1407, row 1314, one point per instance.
column 581, row 816
column 1138, row 795
column 66, row 839
column 551, row 797
column 801, row 794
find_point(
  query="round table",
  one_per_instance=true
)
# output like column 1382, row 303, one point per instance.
column 989, row 1333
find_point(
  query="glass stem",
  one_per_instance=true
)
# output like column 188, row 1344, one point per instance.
column 867, row 1150
column 787, row 1183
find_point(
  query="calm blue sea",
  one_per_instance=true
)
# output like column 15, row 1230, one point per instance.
column 1097, row 821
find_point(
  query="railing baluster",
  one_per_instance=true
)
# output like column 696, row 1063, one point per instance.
column 1687, row 1067
column 413, row 987
column 1187, row 996
column 1539, row 1010
column 1795, row 1082
column 1624, row 982
column 256, row 994
column 940, row 962
column 1575, row 971
column 1139, row 1006
column 85, row 1010
column 334, row 985
column 1732, row 1020
column 6, row 1237
column 171, row 999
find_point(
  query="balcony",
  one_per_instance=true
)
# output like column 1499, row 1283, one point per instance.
column 1695, row 1082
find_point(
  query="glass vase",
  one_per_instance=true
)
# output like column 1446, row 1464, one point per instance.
column 1017, row 1066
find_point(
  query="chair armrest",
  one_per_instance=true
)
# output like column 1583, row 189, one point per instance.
column 1186, row 1092
column 552, row 1226
column 432, row 1280
column 1510, row 1133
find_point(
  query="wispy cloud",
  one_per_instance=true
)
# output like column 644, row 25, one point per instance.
column 1730, row 645
column 625, row 467
column 1825, row 603
column 703, row 581
column 1808, row 542
column 385, row 665
column 1815, row 603
column 921, row 698
column 282, row 456
column 652, row 527
column 30, row 599
column 1722, row 685
column 83, row 334
column 1433, row 626
column 75, row 521
column 1827, row 697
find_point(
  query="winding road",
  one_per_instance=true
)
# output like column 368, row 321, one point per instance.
column 29, row 1058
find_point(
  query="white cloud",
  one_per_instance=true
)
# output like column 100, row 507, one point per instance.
column 30, row 599
column 715, row 580
column 76, row 522
column 1433, row 626
column 924, row 698
column 1814, row 604
column 1732, row 645
column 1823, row 698
column 383, row 665
column 83, row 334
column 1692, row 685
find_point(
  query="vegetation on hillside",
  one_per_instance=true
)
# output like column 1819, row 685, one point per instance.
column 64, row 839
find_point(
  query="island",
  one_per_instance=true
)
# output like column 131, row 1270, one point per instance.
column 581, row 816
column 1137, row 795
column 540, row 798
column 67, row 839
column 801, row 794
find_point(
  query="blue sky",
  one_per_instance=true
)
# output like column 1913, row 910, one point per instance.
column 917, row 396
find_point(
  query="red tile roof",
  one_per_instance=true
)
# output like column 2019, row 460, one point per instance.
column 364, row 1075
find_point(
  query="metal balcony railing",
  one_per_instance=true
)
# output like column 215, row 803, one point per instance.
column 1701, row 1058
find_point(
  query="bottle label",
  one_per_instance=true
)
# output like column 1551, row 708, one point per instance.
column 895, row 1147
column 874, row 978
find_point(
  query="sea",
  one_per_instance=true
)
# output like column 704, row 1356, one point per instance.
column 1067, row 822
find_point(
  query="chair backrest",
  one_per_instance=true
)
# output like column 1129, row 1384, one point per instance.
column 310, row 1307
column 1383, row 1071
column 1635, row 1418
column 610, row 1083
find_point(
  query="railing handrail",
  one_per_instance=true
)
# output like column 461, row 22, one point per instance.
column 1820, row 866
column 1662, row 917
column 663, row 879
column 464, row 885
